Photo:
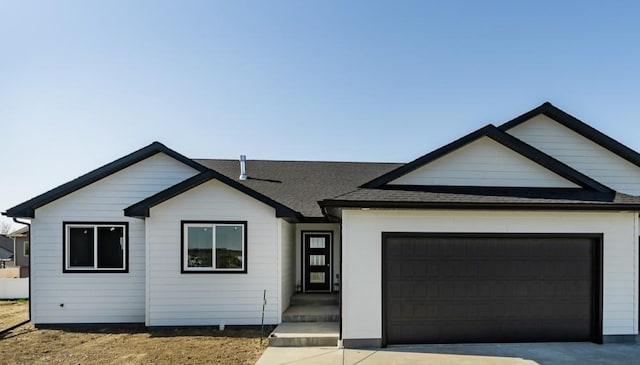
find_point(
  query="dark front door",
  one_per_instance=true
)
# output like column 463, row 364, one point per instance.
column 317, row 261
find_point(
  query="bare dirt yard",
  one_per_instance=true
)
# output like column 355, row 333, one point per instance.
column 28, row 345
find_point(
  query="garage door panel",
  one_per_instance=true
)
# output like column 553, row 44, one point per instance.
column 486, row 289
column 489, row 331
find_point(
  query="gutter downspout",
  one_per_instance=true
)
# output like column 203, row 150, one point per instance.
column 30, row 271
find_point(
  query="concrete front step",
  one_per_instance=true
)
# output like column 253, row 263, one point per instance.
column 305, row 334
column 314, row 299
column 311, row 313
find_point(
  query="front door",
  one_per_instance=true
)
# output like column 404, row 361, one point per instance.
column 317, row 261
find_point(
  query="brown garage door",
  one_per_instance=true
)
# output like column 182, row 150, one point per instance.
column 490, row 288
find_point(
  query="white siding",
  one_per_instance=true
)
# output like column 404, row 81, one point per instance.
column 334, row 228
column 288, row 262
column 177, row 299
column 484, row 162
column 362, row 231
column 580, row 153
column 96, row 297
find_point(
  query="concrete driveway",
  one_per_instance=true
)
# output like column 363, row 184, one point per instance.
column 460, row 354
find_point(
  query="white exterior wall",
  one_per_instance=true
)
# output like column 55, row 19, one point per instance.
column 362, row 261
column 286, row 232
column 177, row 299
column 484, row 162
column 580, row 153
column 96, row 297
column 334, row 228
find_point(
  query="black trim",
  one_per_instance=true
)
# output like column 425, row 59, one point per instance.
column 27, row 209
column 596, row 332
column 521, row 192
column 361, row 343
column 95, row 271
column 141, row 209
column 383, row 290
column 313, row 220
column 607, row 339
column 214, row 271
column 476, row 205
column 93, row 326
column 504, row 139
column 598, row 280
column 579, row 127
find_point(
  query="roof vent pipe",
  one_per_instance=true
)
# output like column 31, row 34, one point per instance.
column 243, row 167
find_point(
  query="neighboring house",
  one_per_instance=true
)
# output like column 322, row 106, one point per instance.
column 523, row 232
column 6, row 252
column 21, row 249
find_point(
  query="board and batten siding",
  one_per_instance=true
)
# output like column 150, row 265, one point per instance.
column 97, row 297
column 362, row 260
column 580, row 153
column 286, row 232
column 484, row 162
column 191, row 299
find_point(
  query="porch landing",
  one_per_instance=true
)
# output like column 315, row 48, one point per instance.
column 304, row 334
column 310, row 320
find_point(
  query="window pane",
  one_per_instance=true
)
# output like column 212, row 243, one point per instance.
column 200, row 246
column 229, row 247
column 81, row 246
column 316, row 260
column 110, row 247
column 316, row 242
column 316, row 277
column 26, row 248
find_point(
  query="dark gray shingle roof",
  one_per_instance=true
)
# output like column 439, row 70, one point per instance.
column 402, row 198
column 301, row 184
column 6, row 247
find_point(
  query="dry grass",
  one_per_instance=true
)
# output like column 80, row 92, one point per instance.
column 13, row 312
column 27, row 345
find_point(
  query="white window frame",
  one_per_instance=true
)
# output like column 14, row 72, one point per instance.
column 212, row 224
column 67, row 246
column 25, row 244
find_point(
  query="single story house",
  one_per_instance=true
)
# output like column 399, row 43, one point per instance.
column 21, row 249
column 6, row 252
column 527, row 231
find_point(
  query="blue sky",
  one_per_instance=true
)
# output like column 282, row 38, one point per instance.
column 85, row 82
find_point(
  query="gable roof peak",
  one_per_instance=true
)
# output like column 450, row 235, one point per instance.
column 503, row 138
column 27, row 209
column 578, row 126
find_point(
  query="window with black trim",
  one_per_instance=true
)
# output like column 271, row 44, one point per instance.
column 214, row 247
column 95, row 247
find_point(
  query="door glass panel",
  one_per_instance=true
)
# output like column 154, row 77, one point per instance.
column 316, row 277
column 316, row 260
column 316, row 242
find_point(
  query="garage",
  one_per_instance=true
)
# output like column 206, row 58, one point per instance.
column 457, row 288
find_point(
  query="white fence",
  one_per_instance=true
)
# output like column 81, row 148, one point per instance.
column 14, row 288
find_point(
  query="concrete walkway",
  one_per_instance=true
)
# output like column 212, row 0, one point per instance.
column 463, row 354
